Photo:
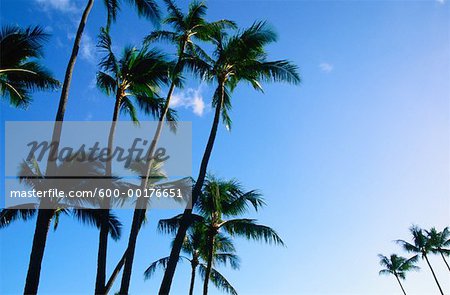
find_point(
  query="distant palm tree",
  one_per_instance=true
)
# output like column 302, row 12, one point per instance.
column 194, row 245
column 421, row 246
column 440, row 242
column 137, row 75
column 397, row 266
column 20, row 68
column 238, row 58
column 219, row 202
column 187, row 27
column 147, row 8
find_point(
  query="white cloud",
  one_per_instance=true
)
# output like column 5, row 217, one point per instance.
column 87, row 48
column 441, row 1
column 326, row 67
column 189, row 98
column 60, row 5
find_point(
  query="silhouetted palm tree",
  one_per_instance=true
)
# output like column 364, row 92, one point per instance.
column 219, row 202
column 397, row 266
column 421, row 246
column 31, row 175
column 20, row 68
column 440, row 242
column 187, row 27
column 146, row 8
column 241, row 57
column 137, row 75
column 195, row 247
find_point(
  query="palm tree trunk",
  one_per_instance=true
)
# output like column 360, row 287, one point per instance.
column 138, row 217
column 57, row 129
column 101, row 256
column 100, row 279
column 186, row 219
column 191, row 287
column 115, row 273
column 139, row 213
column 443, row 257
column 400, row 283
column 434, row 275
column 37, row 251
column 209, row 263
column 45, row 215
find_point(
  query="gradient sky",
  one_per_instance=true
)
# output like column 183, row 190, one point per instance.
column 347, row 161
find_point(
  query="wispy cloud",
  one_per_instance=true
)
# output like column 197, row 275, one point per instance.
column 441, row 1
column 189, row 98
column 59, row 5
column 87, row 48
column 326, row 67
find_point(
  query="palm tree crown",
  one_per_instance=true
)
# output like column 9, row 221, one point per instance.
column 138, row 74
column 397, row 265
column 241, row 57
column 440, row 242
column 220, row 201
column 195, row 247
column 20, row 70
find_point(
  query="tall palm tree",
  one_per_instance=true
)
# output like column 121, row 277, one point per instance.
column 187, row 27
column 397, row 266
column 440, row 242
column 147, row 8
column 194, row 246
column 20, row 68
column 241, row 57
column 219, row 202
column 137, row 75
column 421, row 246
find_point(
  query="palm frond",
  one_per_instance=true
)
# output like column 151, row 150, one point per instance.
column 217, row 279
column 249, row 229
column 21, row 212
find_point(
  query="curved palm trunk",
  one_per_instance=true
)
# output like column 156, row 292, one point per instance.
column 191, row 286
column 57, row 129
column 434, row 275
column 45, row 215
column 443, row 257
column 209, row 263
column 140, row 213
column 37, row 251
column 400, row 283
column 115, row 272
column 100, row 279
column 186, row 219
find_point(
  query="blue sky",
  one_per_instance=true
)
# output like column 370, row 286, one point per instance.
column 347, row 161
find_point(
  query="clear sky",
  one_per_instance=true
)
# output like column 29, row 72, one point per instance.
column 347, row 161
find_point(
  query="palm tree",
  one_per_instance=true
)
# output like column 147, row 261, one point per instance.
column 241, row 57
column 194, row 246
column 187, row 27
column 219, row 202
column 146, row 8
column 440, row 241
column 397, row 266
column 137, row 76
column 421, row 246
column 20, row 68
column 31, row 175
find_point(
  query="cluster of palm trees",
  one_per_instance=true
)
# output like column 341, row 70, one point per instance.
column 423, row 243
column 136, row 79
